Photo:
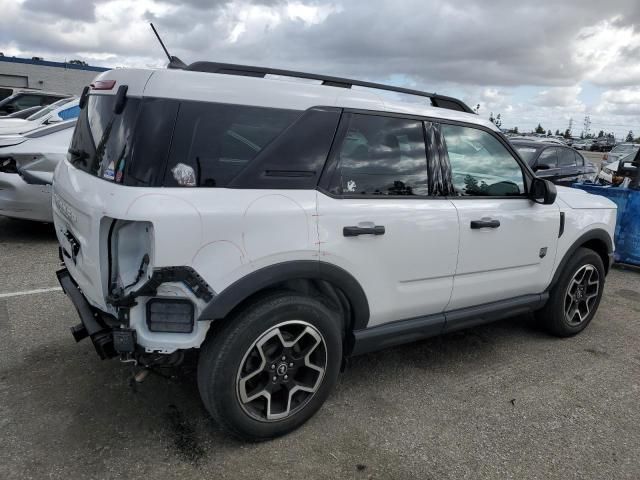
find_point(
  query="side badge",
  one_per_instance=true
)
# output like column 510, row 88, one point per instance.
column 543, row 252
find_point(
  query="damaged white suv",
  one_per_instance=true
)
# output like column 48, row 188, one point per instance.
column 280, row 225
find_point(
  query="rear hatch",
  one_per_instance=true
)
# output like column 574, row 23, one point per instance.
column 85, row 186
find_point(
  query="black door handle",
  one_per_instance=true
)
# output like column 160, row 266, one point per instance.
column 355, row 231
column 485, row 223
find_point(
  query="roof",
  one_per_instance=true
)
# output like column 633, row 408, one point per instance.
column 273, row 92
column 46, row 63
column 440, row 101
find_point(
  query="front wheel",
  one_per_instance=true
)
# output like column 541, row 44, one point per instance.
column 575, row 297
column 272, row 367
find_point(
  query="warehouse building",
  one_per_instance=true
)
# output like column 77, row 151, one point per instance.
column 68, row 78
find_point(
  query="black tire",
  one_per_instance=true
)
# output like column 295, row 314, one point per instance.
column 239, row 342
column 553, row 315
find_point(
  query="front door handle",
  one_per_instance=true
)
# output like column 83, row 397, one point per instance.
column 355, row 231
column 485, row 223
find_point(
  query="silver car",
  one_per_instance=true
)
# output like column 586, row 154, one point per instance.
column 620, row 151
column 27, row 163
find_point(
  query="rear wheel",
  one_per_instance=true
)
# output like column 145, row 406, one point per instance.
column 574, row 299
column 272, row 367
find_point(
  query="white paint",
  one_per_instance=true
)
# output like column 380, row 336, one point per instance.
column 30, row 292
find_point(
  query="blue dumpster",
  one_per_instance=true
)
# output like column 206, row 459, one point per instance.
column 627, row 235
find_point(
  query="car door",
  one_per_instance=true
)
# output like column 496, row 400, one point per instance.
column 507, row 242
column 569, row 171
column 377, row 220
column 546, row 166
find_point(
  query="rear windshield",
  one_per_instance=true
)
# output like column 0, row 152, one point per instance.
column 102, row 141
column 143, row 145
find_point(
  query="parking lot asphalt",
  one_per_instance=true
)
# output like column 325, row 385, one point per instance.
column 498, row 401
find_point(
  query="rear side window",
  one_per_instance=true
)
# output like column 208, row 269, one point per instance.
column 217, row 140
column 381, row 156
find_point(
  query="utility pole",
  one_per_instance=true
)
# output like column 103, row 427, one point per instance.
column 587, row 125
column 570, row 126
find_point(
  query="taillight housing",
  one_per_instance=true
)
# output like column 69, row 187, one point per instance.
column 103, row 85
column 605, row 156
column 8, row 165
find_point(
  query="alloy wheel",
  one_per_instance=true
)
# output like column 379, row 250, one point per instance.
column 582, row 294
column 281, row 371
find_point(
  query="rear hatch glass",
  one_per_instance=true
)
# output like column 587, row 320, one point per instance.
column 142, row 145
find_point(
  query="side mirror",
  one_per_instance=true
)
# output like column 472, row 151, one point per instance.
column 542, row 166
column 53, row 119
column 10, row 108
column 628, row 168
column 543, row 191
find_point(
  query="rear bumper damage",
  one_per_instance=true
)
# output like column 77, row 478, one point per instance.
column 108, row 339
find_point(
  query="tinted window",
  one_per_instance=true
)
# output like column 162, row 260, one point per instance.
column 219, row 140
column 101, row 143
column 481, row 165
column 381, row 156
column 566, row 157
column 26, row 101
column 49, row 109
column 294, row 160
column 548, row 157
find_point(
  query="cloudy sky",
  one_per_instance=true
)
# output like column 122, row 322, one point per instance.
column 531, row 61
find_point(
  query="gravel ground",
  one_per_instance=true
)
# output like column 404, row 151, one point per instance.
column 499, row 401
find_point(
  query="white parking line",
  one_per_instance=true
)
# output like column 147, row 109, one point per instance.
column 30, row 292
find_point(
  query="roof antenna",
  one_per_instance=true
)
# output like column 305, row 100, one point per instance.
column 174, row 62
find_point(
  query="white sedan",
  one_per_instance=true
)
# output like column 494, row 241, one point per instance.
column 65, row 109
column 27, row 163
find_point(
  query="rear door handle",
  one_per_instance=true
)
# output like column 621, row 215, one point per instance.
column 485, row 223
column 355, row 231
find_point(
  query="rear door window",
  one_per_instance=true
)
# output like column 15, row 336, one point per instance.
column 548, row 157
column 382, row 156
column 217, row 140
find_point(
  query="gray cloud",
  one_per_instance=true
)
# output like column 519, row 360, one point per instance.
column 481, row 50
column 71, row 9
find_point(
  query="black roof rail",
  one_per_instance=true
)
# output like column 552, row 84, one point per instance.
column 441, row 101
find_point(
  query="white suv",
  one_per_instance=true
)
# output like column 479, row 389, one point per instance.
column 280, row 225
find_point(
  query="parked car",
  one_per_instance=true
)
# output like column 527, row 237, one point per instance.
column 560, row 164
column 608, row 174
column 27, row 163
column 580, row 145
column 62, row 110
column 621, row 150
column 29, row 99
column 278, row 228
column 9, row 91
column 602, row 144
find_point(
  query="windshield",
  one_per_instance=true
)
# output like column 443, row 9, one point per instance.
column 527, row 153
column 625, row 148
column 49, row 109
